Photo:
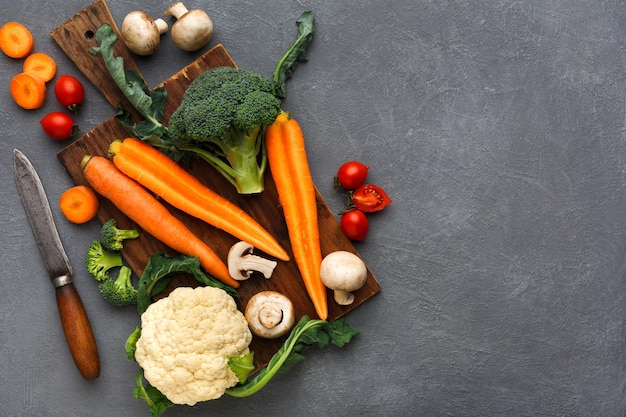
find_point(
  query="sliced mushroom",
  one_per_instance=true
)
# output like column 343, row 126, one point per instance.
column 242, row 263
column 270, row 314
column 141, row 34
column 193, row 28
column 343, row 272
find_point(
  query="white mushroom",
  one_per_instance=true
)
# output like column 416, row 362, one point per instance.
column 270, row 314
column 141, row 34
column 193, row 28
column 343, row 272
column 242, row 263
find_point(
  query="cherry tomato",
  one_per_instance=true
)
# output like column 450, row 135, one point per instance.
column 370, row 198
column 355, row 225
column 352, row 174
column 69, row 92
column 58, row 125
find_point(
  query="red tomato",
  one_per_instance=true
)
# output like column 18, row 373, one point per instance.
column 352, row 174
column 355, row 225
column 69, row 92
column 58, row 125
column 370, row 198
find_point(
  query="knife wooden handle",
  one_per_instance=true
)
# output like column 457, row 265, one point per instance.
column 78, row 332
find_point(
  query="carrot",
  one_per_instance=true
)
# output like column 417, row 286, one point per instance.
column 290, row 169
column 160, row 174
column 16, row 41
column 28, row 90
column 42, row 65
column 79, row 204
column 144, row 209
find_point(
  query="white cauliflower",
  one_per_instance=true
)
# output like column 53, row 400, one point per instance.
column 186, row 341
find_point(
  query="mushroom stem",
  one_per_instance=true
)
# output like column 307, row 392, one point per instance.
column 343, row 298
column 161, row 25
column 176, row 10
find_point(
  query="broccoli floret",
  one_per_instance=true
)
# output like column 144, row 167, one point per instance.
column 112, row 237
column 119, row 292
column 99, row 261
column 223, row 115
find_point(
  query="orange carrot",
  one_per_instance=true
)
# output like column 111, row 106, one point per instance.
column 79, row 204
column 28, row 90
column 296, row 191
column 42, row 65
column 16, row 40
column 160, row 174
column 144, row 209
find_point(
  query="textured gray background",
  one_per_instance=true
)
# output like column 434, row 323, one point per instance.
column 498, row 129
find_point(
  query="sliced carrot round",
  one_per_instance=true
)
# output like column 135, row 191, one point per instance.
column 42, row 65
column 16, row 40
column 28, row 90
column 79, row 204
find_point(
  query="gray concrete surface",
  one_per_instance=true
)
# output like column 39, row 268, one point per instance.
column 498, row 129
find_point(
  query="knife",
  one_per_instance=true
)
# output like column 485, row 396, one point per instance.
column 74, row 320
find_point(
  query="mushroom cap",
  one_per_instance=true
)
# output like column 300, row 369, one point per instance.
column 343, row 272
column 192, row 30
column 141, row 34
column 270, row 314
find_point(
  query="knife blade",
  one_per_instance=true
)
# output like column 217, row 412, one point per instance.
column 74, row 320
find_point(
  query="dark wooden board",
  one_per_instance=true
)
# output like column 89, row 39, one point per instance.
column 74, row 37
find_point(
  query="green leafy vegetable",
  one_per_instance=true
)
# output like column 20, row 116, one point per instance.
column 296, row 53
column 157, row 402
column 242, row 367
column 131, row 343
column 306, row 333
column 149, row 103
column 162, row 268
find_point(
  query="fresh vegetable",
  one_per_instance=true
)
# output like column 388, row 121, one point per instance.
column 290, row 169
column 162, row 268
column 270, row 314
column 79, row 204
column 193, row 28
column 307, row 332
column 242, row 263
column 186, row 341
column 69, row 92
column 370, row 198
column 59, row 125
column 41, row 64
column 354, row 224
column 145, row 210
column 296, row 52
column 119, row 292
column 224, row 111
column 16, row 41
column 167, row 179
column 243, row 166
column 352, row 174
column 28, row 90
column 100, row 261
column 343, row 272
column 113, row 237
column 141, row 33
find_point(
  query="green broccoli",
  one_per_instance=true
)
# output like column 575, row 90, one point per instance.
column 112, row 237
column 99, row 261
column 119, row 292
column 223, row 115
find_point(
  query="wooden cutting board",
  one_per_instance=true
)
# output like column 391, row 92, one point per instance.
column 75, row 37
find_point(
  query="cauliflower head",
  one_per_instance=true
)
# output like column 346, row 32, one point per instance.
column 186, row 341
